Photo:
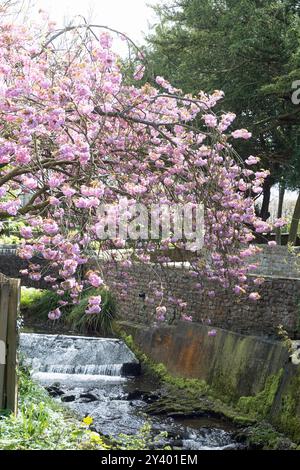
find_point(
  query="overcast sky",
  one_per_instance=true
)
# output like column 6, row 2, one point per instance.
column 129, row 16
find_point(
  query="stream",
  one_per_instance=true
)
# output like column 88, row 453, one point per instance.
column 100, row 377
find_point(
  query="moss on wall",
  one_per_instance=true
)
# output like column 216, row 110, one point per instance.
column 287, row 415
column 231, row 367
column 260, row 405
column 183, row 396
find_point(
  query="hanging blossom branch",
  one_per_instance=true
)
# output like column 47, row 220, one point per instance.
column 74, row 136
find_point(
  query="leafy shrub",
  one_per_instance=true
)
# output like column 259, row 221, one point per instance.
column 102, row 323
column 37, row 304
column 29, row 297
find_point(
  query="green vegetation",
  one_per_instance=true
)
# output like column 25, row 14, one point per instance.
column 251, row 51
column 264, row 437
column 298, row 301
column 30, row 297
column 10, row 233
column 35, row 306
column 143, row 440
column 287, row 420
column 9, row 240
column 102, row 323
column 259, row 406
column 42, row 424
column 285, row 338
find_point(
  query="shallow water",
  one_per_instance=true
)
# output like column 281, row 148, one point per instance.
column 114, row 414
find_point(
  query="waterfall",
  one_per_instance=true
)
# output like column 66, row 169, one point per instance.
column 90, row 369
column 77, row 355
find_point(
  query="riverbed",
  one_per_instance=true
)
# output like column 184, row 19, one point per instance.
column 118, row 406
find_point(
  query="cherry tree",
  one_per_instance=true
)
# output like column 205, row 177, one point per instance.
column 75, row 135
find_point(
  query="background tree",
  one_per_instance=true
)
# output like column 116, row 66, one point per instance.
column 250, row 50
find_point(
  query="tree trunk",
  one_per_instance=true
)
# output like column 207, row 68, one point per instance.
column 279, row 212
column 295, row 222
column 264, row 212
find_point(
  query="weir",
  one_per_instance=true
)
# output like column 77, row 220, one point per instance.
column 80, row 355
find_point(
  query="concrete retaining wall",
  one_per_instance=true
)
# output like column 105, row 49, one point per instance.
column 233, row 365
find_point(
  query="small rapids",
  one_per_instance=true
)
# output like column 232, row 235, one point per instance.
column 89, row 369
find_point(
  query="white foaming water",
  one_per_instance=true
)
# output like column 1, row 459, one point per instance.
column 194, row 445
column 89, row 369
column 80, row 380
column 212, row 439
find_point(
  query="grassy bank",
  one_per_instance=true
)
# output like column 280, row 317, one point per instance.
column 44, row 424
column 41, row 424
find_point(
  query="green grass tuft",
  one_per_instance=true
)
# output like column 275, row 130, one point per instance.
column 36, row 304
column 102, row 323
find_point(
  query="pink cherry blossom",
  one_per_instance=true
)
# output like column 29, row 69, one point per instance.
column 93, row 309
column 50, row 227
column 139, row 72
column 254, row 296
column 95, row 280
column 26, row 232
column 26, row 252
column 210, row 120
column 94, row 305
column 252, row 160
column 186, row 318
column 54, row 314
column 212, row 333
column 241, row 134
column 161, row 313
column 68, row 191
column 280, row 223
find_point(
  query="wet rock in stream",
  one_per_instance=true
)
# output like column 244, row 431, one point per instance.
column 134, row 395
column 87, row 397
column 54, row 391
column 68, row 398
